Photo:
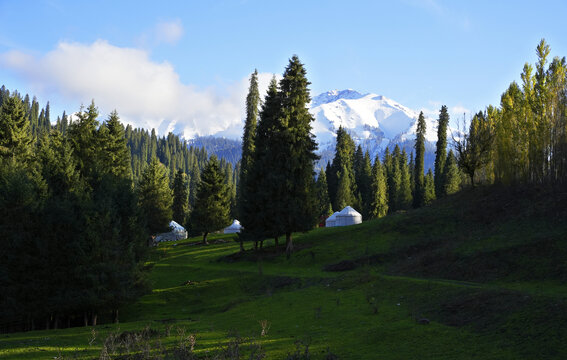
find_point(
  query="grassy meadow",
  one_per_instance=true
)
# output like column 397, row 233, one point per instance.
column 479, row 275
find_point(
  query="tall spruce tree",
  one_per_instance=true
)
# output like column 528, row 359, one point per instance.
column 441, row 150
column 405, row 194
column 212, row 203
column 245, row 191
column 180, row 198
column 15, row 132
column 155, row 197
column 296, row 147
column 344, row 158
column 115, row 153
column 419, row 197
column 452, row 176
column 429, row 188
column 321, row 194
column 260, row 216
column 379, row 202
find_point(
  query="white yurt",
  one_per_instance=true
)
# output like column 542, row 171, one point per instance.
column 235, row 227
column 331, row 220
column 178, row 230
column 348, row 216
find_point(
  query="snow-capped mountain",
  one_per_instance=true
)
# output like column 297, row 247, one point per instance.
column 374, row 121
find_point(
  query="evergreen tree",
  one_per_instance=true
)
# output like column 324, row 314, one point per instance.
column 246, row 191
column 84, row 141
column 180, row 198
column 452, row 177
column 419, row 197
column 155, row 197
column 405, row 194
column 343, row 160
column 429, row 188
column 344, row 190
column 212, row 203
column 115, row 153
column 265, row 176
column 379, row 203
column 321, row 194
column 15, row 134
column 441, row 150
column 365, row 186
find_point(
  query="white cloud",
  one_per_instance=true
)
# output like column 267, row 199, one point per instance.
column 169, row 31
column 145, row 93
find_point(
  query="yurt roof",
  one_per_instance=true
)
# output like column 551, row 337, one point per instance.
column 333, row 217
column 348, row 211
column 175, row 226
column 235, row 225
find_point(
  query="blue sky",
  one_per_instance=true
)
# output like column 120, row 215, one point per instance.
column 183, row 66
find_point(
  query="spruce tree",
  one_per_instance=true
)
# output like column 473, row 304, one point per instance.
column 15, row 133
column 429, row 188
column 321, row 193
column 246, row 191
column 180, row 198
column 452, row 176
column 344, row 189
column 115, row 157
column 441, row 150
column 212, row 202
column 296, row 148
column 419, row 198
column 155, row 197
column 343, row 162
column 365, row 187
column 405, row 194
column 379, row 200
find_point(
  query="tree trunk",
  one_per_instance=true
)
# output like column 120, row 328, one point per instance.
column 205, row 238
column 261, row 244
column 255, row 245
column 94, row 319
column 241, row 245
column 115, row 316
column 56, row 322
column 276, row 241
column 289, row 244
column 86, row 318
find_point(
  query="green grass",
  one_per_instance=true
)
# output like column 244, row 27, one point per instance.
column 486, row 267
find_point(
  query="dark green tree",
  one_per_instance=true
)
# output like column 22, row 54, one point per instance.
column 321, row 193
column 212, row 203
column 155, row 197
column 180, row 198
column 344, row 158
column 419, row 197
column 15, row 133
column 452, row 176
column 404, row 198
column 441, row 150
column 379, row 203
column 296, row 148
column 429, row 188
column 115, row 156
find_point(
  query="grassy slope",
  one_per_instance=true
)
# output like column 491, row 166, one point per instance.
column 487, row 267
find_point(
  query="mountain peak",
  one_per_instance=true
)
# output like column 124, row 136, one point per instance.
column 334, row 95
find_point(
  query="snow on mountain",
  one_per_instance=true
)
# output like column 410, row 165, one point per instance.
column 374, row 121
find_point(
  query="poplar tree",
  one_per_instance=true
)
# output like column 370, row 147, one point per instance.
column 419, row 197
column 441, row 150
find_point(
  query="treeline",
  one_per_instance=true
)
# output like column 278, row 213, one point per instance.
column 78, row 202
column 524, row 141
column 377, row 187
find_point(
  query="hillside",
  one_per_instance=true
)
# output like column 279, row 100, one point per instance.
column 477, row 275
